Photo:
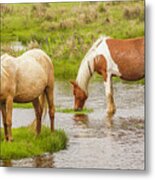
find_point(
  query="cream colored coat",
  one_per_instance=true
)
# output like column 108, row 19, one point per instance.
column 24, row 79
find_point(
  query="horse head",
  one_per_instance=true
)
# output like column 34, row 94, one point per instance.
column 79, row 96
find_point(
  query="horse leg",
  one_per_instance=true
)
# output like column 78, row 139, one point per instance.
column 38, row 112
column 9, row 107
column 111, row 109
column 50, row 101
column 4, row 121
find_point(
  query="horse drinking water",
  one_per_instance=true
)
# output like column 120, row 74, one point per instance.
column 27, row 78
column 109, row 57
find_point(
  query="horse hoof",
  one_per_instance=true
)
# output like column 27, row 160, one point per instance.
column 37, row 134
column 110, row 113
column 10, row 140
column 52, row 130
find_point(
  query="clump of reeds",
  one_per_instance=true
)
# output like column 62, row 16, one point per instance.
column 50, row 15
column 132, row 13
column 33, row 44
column 38, row 10
column 101, row 8
column 5, row 9
column 8, row 49
column 49, row 26
column 68, row 23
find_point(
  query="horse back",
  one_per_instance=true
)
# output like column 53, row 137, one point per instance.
column 42, row 58
column 129, row 57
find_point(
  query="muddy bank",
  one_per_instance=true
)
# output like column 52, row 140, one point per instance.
column 91, row 143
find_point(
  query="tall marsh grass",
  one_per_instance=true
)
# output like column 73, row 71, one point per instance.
column 65, row 31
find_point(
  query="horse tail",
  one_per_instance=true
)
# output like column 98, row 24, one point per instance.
column 43, row 105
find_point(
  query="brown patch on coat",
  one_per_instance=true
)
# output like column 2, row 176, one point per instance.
column 100, row 66
column 129, row 56
column 79, row 95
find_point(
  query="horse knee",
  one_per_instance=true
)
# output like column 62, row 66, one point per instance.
column 8, row 123
column 52, row 114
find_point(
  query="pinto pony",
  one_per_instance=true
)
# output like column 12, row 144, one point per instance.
column 27, row 78
column 109, row 57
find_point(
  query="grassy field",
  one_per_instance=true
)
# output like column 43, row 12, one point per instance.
column 67, row 30
column 26, row 144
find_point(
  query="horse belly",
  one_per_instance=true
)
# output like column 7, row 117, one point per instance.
column 132, row 70
column 31, row 83
column 27, row 96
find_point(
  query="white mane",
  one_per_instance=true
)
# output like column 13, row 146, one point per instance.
column 84, row 75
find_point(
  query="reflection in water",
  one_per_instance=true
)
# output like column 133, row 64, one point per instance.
column 43, row 161
column 81, row 119
column 109, row 120
column 92, row 144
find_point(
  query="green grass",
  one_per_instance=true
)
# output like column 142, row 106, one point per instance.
column 117, row 79
column 72, row 111
column 58, row 109
column 23, row 106
column 96, row 77
column 27, row 144
column 66, row 31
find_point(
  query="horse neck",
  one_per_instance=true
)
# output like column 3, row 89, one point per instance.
column 84, row 74
column 87, row 66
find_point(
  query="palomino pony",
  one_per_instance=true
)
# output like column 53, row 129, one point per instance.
column 27, row 78
column 109, row 57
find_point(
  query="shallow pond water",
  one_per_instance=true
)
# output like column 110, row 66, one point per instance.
column 92, row 144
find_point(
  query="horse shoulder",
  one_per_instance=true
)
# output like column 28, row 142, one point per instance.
column 8, row 77
column 41, row 57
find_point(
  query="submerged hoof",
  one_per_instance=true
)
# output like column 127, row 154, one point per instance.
column 110, row 112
